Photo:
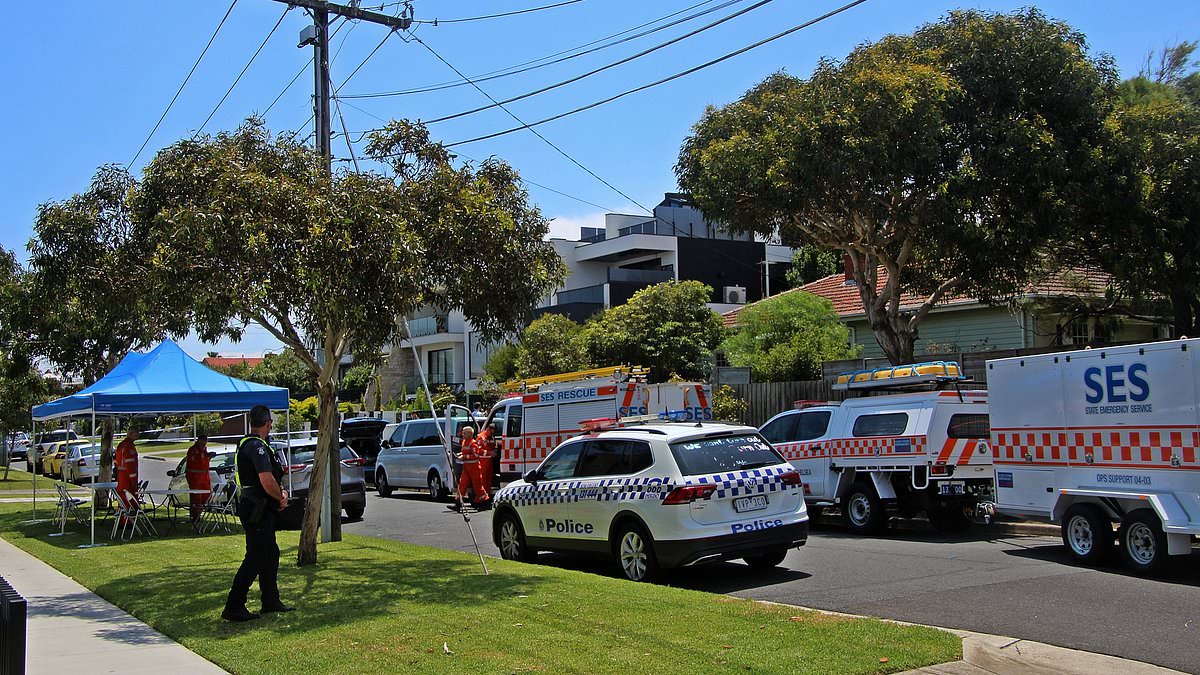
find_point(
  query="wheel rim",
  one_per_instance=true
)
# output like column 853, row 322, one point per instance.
column 1080, row 535
column 633, row 556
column 435, row 486
column 510, row 540
column 1139, row 542
column 381, row 480
column 860, row 509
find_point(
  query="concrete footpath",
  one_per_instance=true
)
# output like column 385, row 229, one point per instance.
column 71, row 629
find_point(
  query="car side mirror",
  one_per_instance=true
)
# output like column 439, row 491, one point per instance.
column 533, row 476
column 171, row 473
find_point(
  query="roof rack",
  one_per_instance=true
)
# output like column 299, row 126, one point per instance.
column 928, row 374
column 619, row 373
column 606, row 423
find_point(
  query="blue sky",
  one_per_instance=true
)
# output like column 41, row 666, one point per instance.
column 88, row 80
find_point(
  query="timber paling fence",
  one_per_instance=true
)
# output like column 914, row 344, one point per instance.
column 765, row 399
column 13, row 610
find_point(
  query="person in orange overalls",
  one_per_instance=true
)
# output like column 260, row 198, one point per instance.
column 471, row 478
column 487, row 455
column 126, row 462
column 198, row 477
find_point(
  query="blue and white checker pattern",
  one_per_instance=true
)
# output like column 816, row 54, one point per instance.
column 729, row 485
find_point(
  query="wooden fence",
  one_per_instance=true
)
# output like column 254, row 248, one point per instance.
column 765, row 399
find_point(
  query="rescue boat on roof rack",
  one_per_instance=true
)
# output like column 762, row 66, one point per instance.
column 891, row 377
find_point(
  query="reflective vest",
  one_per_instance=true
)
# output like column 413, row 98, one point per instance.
column 276, row 468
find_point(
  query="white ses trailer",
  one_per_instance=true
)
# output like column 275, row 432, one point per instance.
column 1100, row 437
column 529, row 425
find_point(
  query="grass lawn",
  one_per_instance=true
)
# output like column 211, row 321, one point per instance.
column 22, row 481
column 375, row 605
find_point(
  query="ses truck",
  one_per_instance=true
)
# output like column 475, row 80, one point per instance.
column 531, row 423
column 1100, row 437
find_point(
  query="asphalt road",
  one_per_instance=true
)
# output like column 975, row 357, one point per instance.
column 1020, row 586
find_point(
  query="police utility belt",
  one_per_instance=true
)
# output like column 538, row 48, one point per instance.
column 253, row 497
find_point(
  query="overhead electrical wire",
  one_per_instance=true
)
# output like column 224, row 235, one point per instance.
column 664, row 80
column 352, row 74
column 300, row 72
column 557, row 57
column 183, row 84
column 437, row 22
column 603, row 68
column 237, row 79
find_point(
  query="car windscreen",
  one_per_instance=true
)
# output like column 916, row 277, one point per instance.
column 715, row 454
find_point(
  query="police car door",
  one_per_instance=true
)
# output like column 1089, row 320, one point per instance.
column 608, row 480
column 548, row 507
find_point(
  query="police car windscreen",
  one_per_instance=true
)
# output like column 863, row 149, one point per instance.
column 723, row 453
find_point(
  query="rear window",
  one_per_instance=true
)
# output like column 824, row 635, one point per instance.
column 969, row 425
column 724, row 453
column 306, row 455
column 886, row 424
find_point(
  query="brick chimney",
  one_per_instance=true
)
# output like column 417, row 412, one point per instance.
column 849, row 269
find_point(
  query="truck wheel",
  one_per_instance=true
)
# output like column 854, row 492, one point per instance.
column 863, row 510
column 437, row 489
column 381, row 484
column 1143, row 542
column 765, row 561
column 1087, row 534
column 948, row 518
column 635, row 553
column 511, row 538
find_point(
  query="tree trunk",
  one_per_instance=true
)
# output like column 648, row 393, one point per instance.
column 327, row 439
column 106, row 462
column 1181, row 306
column 12, row 440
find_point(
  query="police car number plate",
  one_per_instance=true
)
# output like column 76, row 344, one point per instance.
column 750, row 503
column 951, row 488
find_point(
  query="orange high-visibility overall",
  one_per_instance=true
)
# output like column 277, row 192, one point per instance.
column 471, row 478
column 198, row 477
column 126, row 460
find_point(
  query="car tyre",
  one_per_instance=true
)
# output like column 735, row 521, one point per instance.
column 1087, row 534
column 437, row 489
column 863, row 510
column 1143, row 542
column 768, row 560
column 381, row 484
column 948, row 518
column 356, row 511
column 510, row 536
column 634, row 551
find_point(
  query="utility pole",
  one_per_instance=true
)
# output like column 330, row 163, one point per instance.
column 318, row 36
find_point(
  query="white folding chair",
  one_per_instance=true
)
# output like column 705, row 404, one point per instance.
column 68, row 506
column 221, row 509
column 131, row 518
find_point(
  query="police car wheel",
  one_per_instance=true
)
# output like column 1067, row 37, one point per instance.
column 381, row 484
column 511, row 538
column 1087, row 534
column 635, row 553
column 863, row 511
column 1143, row 542
column 765, row 561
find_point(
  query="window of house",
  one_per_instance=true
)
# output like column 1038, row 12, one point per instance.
column 440, row 366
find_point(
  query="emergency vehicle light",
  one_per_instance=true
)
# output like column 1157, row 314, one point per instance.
column 803, row 403
column 673, row 415
column 894, row 376
column 597, row 424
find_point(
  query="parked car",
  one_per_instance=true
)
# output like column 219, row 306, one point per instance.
column 220, row 471
column 656, row 496
column 82, row 463
column 17, row 447
column 364, row 436
column 41, row 442
column 52, row 460
column 414, row 458
column 354, row 490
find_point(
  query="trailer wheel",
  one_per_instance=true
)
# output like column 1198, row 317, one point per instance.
column 1143, row 542
column 863, row 510
column 1087, row 534
column 948, row 518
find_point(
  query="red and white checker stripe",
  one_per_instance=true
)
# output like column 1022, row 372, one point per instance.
column 875, row 446
column 1123, row 447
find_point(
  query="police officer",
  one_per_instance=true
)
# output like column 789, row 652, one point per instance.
column 257, row 472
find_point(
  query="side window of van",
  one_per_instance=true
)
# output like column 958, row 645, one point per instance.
column 514, row 421
column 969, row 425
column 882, row 424
column 812, row 424
column 780, row 429
column 422, row 433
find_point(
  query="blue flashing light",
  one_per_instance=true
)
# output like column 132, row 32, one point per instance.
column 674, row 415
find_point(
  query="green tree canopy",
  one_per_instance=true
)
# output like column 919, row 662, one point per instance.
column 786, row 338
column 667, row 327
column 501, row 366
column 551, row 344
column 919, row 155
column 810, row 263
column 254, row 230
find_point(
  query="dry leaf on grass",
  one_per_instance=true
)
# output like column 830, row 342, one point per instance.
column 446, row 648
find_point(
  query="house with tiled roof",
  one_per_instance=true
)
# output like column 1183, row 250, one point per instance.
column 219, row 362
column 1045, row 315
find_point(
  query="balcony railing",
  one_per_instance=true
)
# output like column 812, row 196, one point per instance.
column 640, row 276
column 428, row 325
column 593, row 294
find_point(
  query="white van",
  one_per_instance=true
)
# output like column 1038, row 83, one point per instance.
column 413, row 457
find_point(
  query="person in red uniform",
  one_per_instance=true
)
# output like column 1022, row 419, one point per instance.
column 126, row 462
column 471, row 479
column 198, row 477
column 487, row 456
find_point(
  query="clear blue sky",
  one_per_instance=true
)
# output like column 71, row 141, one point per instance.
column 88, row 80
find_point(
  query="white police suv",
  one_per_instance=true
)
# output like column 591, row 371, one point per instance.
column 655, row 496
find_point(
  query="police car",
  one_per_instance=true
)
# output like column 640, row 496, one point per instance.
column 656, row 495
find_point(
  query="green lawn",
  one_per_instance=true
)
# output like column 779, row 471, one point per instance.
column 22, row 481
column 374, row 605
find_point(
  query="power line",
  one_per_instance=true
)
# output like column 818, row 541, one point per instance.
column 551, row 59
column 497, row 16
column 244, row 69
column 603, row 68
column 303, row 68
column 535, row 132
column 184, row 84
column 352, row 74
column 664, row 80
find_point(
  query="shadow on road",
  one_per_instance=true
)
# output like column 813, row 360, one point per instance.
column 1180, row 571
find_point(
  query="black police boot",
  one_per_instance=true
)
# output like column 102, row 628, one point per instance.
column 277, row 607
column 238, row 614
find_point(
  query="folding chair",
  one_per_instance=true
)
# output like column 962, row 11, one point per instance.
column 131, row 518
column 68, row 506
column 221, row 509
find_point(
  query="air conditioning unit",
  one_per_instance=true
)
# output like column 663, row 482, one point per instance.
column 735, row 295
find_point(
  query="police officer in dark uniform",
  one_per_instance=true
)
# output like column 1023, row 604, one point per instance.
column 257, row 472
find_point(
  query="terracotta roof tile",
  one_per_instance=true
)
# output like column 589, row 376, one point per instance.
column 227, row 361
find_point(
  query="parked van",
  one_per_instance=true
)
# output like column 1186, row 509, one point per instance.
column 414, row 457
